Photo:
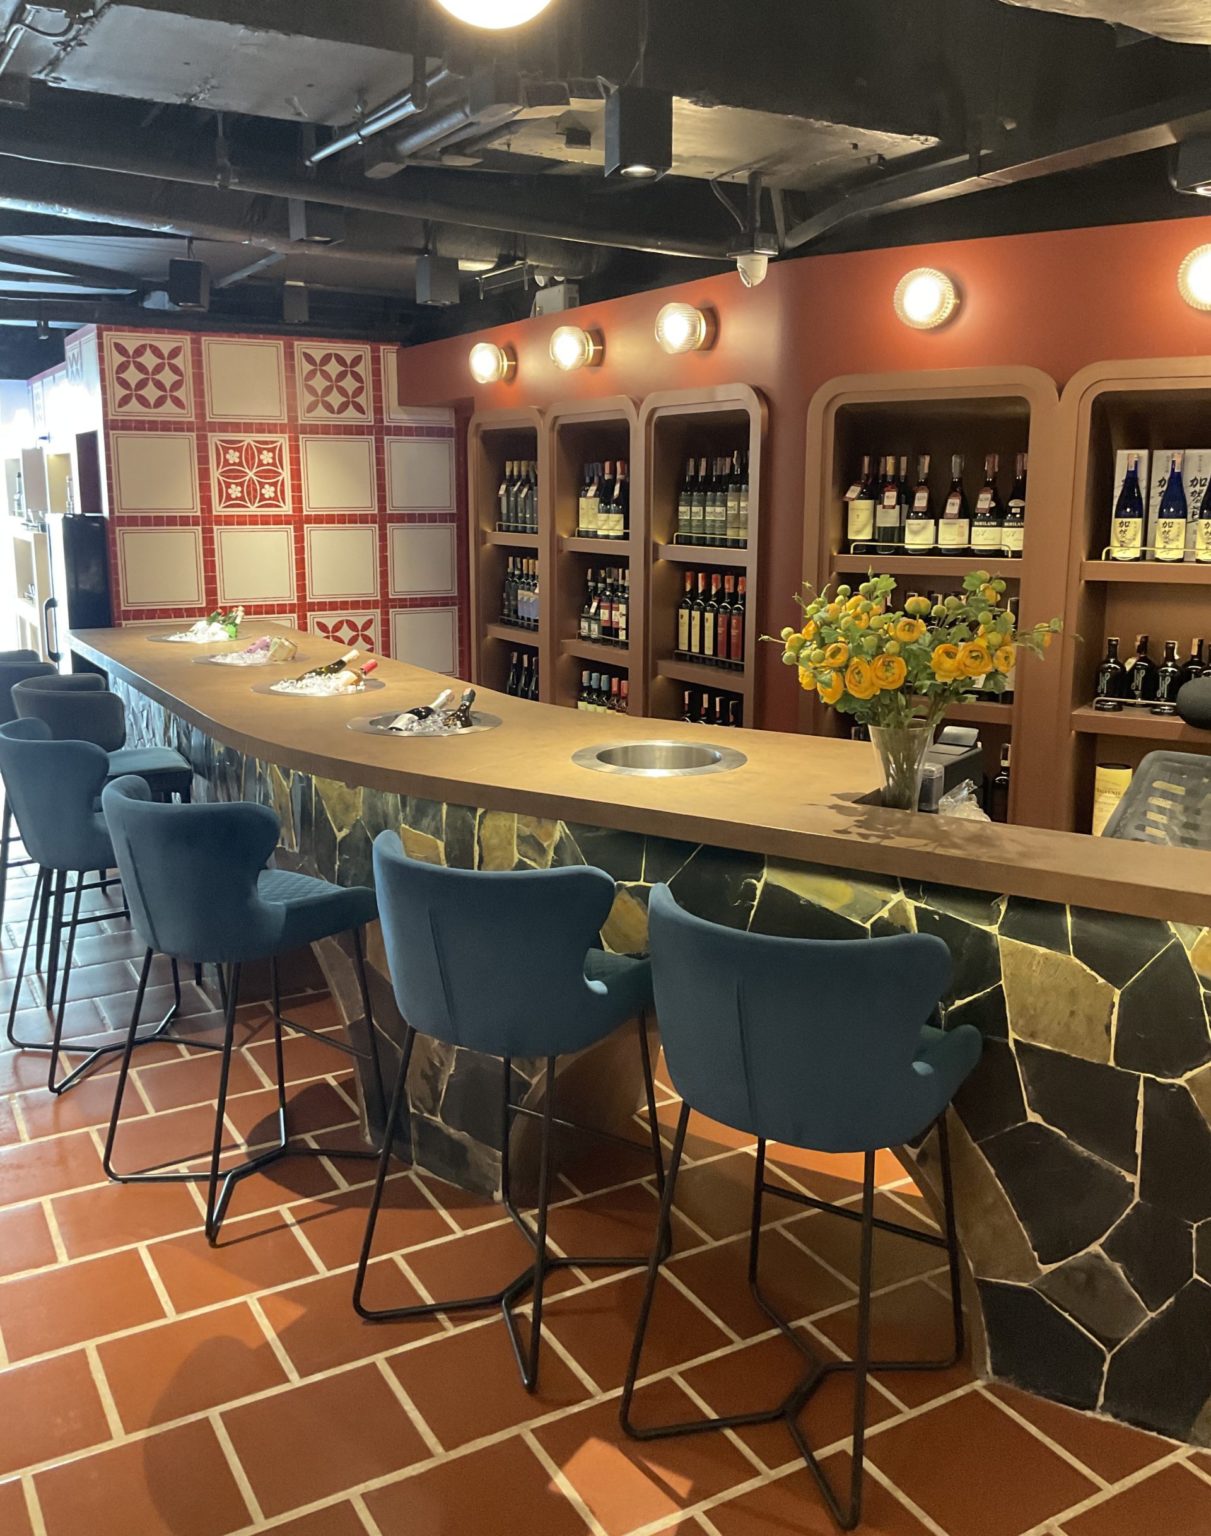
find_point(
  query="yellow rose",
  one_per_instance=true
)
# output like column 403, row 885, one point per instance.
column 837, row 654
column 859, row 679
column 907, row 630
column 989, row 593
column 1004, row 658
column 860, row 620
column 807, row 679
column 831, row 691
column 889, row 672
column 974, row 659
column 809, row 630
column 855, row 603
column 945, row 661
column 833, row 611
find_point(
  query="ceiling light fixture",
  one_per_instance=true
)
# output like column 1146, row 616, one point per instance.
column 476, row 264
column 682, row 328
column 925, row 298
column 572, row 348
column 491, row 364
column 494, row 15
column 1194, row 278
column 638, row 133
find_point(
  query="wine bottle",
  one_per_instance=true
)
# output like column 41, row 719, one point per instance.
column 514, row 677
column 460, row 718
column 698, row 505
column 860, row 511
column 622, row 610
column 1202, row 531
column 685, row 505
column 687, row 705
column 1141, row 673
column 988, row 523
column 920, row 525
column 696, row 616
column 743, row 502
column 533, row 690
column 732, row 520
column 954, row 526
column 353, row 676
column 683, row 614
column 624, row 696
column 723, row 623
column 998, row 808
column 582, row 698
column 1111, row 686
column 615, row 693
column 620, row 507
column 533, row 495
column 887, row 512
column 717, row 505
column 735, row 650
column 502, row 498
column 710, row 619
column 1168, row 681
column 1127, row 524
column 1172, row 516
column 1194, row 665
column 330, row 668
column 1013, row 529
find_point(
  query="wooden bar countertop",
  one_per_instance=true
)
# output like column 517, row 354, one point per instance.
column 797, row 797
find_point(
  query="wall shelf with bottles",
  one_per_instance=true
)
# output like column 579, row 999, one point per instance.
column 1168, row 730
column 970, row 413
column 723, row 428
column 510, row 556
column 1153, row 572
column 598, row 586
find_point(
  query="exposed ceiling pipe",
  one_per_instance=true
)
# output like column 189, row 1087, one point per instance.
column 61, row 266
column 72, row 312
column 387, row 116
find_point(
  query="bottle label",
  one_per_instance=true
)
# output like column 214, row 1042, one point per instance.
column 1202, row 539
column 984, row 501
column 954, row 533
column 890, row 497
column 920, row 533
column 1012, row 537
column 1170, row 538
column 920, row 502
column 953, row 502
column 853, row 493
column 986, row 536
column 860, row 524
column 887, row 514
column 1126, row 538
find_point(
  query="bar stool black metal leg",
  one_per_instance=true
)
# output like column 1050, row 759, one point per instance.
column 527, row 1360
column 57, row 1038
column 43, row 905
column 649, row 1088
column 216, row 1204
column 6, row 835
column 952, row 1241
column 15, row 1000
column 376, row 1065
column 124, row 1071
column 59, row 882
column 384, row 1163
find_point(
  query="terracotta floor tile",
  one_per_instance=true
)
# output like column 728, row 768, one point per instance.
column 23, row 1071
column 596, row 1326
column 90, row 1102
column 592, row 1165
column 158, row 1141
column 629, row 1483
column 54, row 1410
column 14, row 1512
column 316, row 1439
column 304, row 1057
column 313, row 1106
column 10, row 1131
column 718, row 1196
column 791, row 1280
column 118, row 1007
column 836, row 1240
column 910, row 1323
column 484, row 1260
column 1110, row 1449
column 75, row 1302
column 1010, row 1481
column 335, row 1227
column 1174, row 1501
column 756, row 1377
column 25, row 1240
column 284, row 1182
column 34, row 1169
column 466, row 1385
column 103, row 980
column 793, row 1504
column 114, row 1215
column 177, row 1482
column 704, row 1138
column 194, row 1079
column 251, row 1255
column 94, row 948
column 187, row 1366
column 621, row 1223
column 333, row 1520
column 465, row 1209
column 502, row 1490
column 319, row 1329
column 835, row 1167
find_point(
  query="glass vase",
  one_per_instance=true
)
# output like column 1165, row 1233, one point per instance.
column 901, row 752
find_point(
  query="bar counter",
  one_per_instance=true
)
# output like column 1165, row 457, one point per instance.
column 1082, row 1142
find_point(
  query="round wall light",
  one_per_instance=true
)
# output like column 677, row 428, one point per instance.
column 925, row 298
column 491, row 364
column 494, row 15
column 572, row 348
column 682, row 328
column 1194, row 278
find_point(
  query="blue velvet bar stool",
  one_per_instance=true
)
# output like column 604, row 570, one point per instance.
column 15, row 666
column 822, row 1044
column 78, row 706
column 507, row 964
column 198, row 888
column 53, row 787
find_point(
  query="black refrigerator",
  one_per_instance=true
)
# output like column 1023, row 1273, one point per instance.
column 79, row 558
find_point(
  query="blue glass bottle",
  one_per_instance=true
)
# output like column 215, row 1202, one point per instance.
column 1127, row 524
column 1170, row 540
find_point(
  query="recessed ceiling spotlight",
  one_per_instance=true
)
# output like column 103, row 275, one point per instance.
column 1194, row 278
column 638, row 133
column 491, row 364
column 925, row 298
column 494, row 15
column 682, row 328
column 572, row 348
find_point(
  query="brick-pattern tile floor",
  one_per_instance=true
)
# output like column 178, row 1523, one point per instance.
column 153, row 1386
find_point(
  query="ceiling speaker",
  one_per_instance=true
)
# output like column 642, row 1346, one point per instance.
column 189, row 284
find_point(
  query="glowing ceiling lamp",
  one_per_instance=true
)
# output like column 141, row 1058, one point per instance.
column 1194, row 278
column 491, row 364
column 572, row 348
column 925, row 298
column 682, row 328
column 494, row 15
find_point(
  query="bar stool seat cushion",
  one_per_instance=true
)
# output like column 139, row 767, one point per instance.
column 315, row 909
column 169, row 769
column 624, row 979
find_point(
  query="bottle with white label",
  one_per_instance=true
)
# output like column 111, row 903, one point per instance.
column 920, row 524
column 860, row 512
column 1172, row 516
column 888, row 536
column 988, row 522
column 1202, row 531
column 1127, row 524
column 954, row 526
column 1013, row 529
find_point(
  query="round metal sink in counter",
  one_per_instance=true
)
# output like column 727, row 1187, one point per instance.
column 659, row 759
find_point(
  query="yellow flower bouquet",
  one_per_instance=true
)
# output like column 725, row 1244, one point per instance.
column 897, row 671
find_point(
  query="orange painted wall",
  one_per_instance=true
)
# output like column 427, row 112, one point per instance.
column 1056, row 301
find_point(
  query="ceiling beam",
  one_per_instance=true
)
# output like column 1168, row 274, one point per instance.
column 108, row 277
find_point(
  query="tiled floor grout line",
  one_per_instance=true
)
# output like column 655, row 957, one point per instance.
column 231, row 1456
column 56, row 1235
column 1198, row 1470
column 1039, row 1434
column 361, row 1510
column 117, row 1430
column 897, row 1493
column 419, row 1422
column 157, row 1283
column 33, row 1507
column 279, row 1350
column 289, row 1220
column 730, row 1435
column 560, row 1480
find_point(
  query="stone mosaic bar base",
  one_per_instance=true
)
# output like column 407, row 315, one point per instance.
column 1083, row 1148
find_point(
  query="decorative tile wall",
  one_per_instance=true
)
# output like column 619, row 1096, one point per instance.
column 282, row 473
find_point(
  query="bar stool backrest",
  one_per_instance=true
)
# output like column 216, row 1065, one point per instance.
column 493, row 961
column 53, row 788
column 1168, row 801
column 805, row 1041
column 16, row 667
column 190, row 873
column 76, row 705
